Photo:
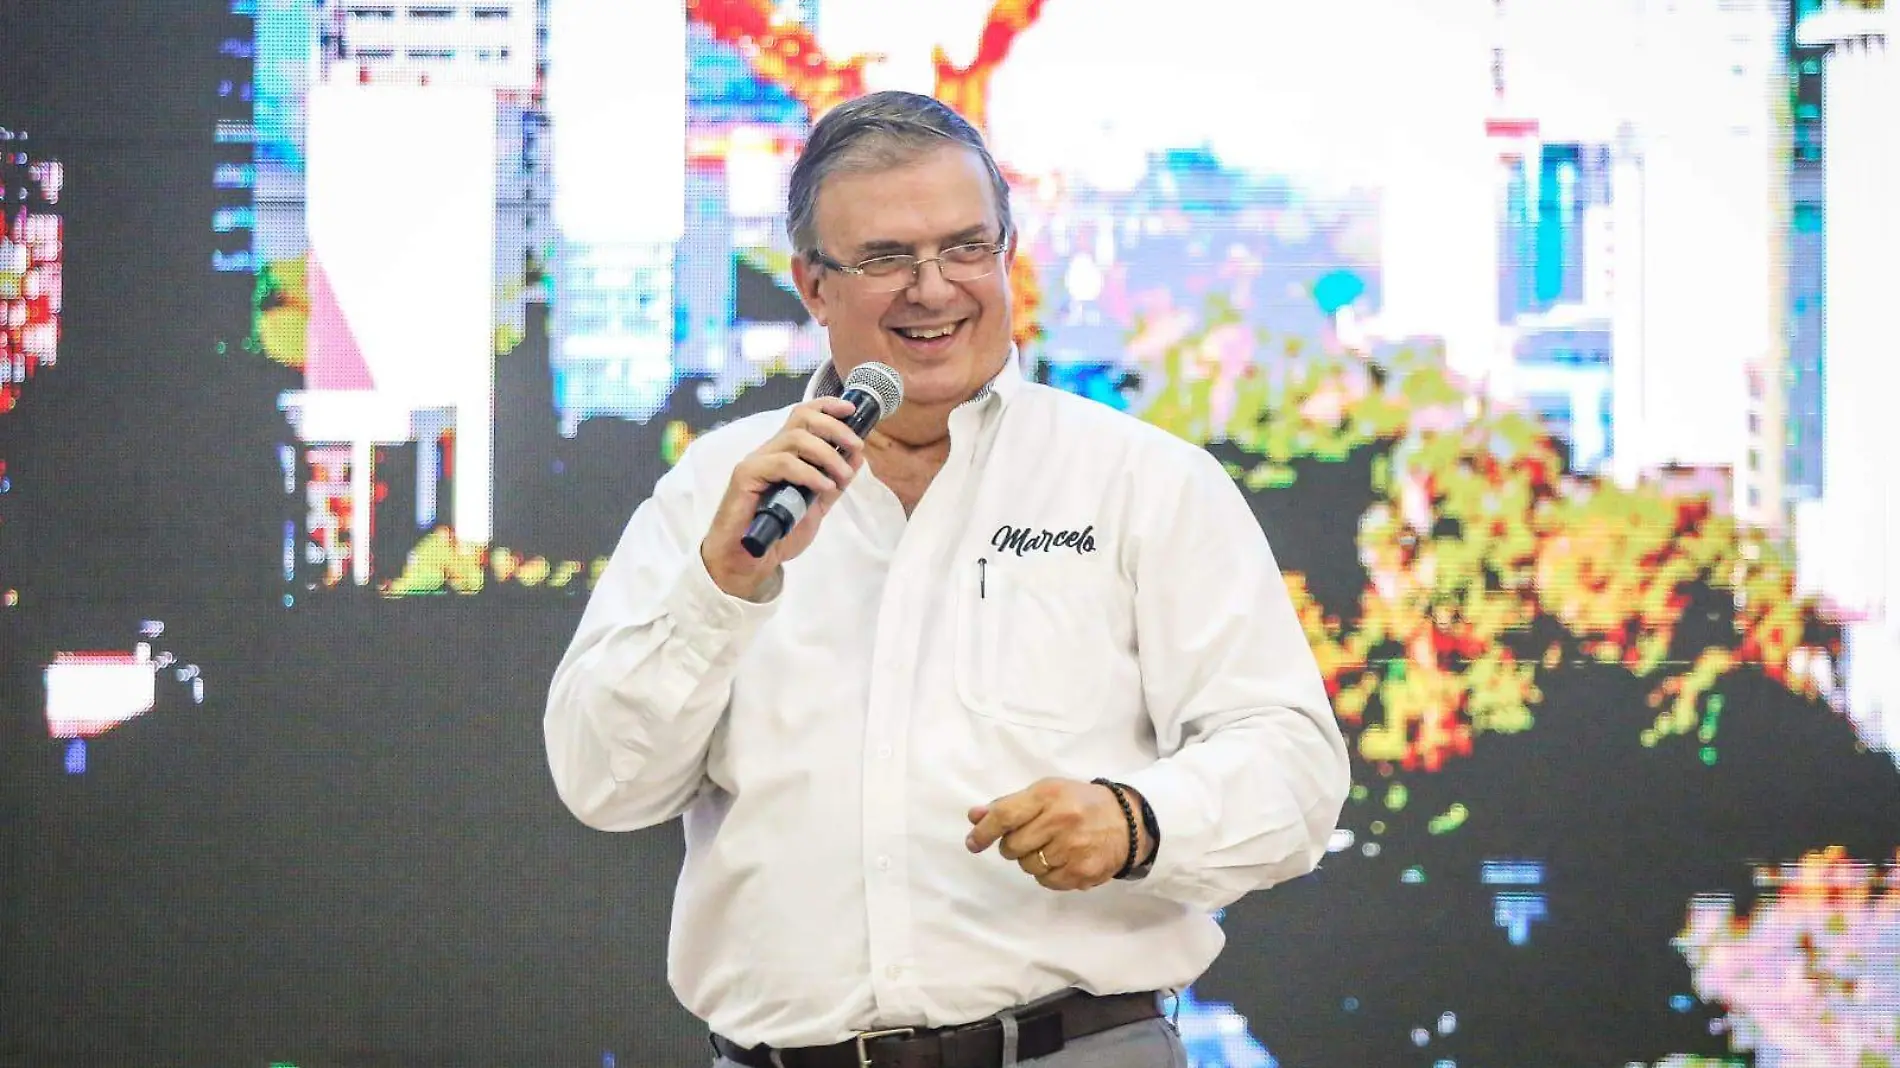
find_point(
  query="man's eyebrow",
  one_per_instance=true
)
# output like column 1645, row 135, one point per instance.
column 979, row 232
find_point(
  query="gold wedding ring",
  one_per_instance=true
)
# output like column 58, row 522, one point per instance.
column 1046, row 866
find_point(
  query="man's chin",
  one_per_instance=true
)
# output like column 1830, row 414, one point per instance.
column 926, row 364
column 937, row 381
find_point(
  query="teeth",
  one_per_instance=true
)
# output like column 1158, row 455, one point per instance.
column 926, row 333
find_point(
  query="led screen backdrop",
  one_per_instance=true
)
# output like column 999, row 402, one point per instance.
column 1550, row 340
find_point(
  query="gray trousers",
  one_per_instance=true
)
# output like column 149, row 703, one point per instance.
column 1146, row 1044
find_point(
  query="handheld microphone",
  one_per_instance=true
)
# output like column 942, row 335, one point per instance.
column 874, row 392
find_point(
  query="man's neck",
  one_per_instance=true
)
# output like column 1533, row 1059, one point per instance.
column 906, row 464
column 915, row 428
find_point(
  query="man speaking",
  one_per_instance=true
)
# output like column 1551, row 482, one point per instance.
column 974, row 714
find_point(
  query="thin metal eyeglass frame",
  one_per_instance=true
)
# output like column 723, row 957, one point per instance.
column 906, row 280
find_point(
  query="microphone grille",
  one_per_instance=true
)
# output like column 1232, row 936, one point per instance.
column 881, row 382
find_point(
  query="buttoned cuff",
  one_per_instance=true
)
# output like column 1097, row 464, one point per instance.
column 696, row 603
column 702, row 624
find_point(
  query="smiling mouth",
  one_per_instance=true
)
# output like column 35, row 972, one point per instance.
column 927, row 333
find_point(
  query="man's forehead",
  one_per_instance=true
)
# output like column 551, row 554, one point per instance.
column 905, row 239
column 942, row 196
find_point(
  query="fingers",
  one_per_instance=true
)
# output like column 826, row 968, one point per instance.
column 804, row 453
column 1023, row 842
column 825, row 419
column 763, row 470
column 1056, row 859
column 999, row 818
column 816, row 437
column 1083, row 871
column 1057, row 832
column 835, row 407
column 1057, row 851
column 818, row 452
column 1064, row 864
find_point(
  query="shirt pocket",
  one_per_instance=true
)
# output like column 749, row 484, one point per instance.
column 1026, row 640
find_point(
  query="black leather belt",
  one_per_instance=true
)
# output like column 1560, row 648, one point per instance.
column 1043, row 1030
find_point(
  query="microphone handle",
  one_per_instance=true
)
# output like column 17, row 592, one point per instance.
column 783, row 504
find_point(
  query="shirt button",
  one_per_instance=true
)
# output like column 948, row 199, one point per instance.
column 884, row 752
column 894, row 971
column 883, row 864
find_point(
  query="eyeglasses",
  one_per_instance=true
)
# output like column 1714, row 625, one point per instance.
column 888, row 274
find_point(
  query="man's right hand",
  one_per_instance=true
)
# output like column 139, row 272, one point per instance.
column 804, row 453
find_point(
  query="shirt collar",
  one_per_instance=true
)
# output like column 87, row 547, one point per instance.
column 826, row 383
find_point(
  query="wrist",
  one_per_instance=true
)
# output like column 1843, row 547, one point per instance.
column 1144, row 837
column 1147, row 845
column 745, row 585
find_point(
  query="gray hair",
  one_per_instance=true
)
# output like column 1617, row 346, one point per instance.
column 875, row 132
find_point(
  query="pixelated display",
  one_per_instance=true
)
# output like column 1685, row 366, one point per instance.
column 29, row 266
column 1548, row 340
column 31, row 255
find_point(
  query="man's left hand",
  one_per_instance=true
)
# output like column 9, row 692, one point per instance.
column 1068, row 835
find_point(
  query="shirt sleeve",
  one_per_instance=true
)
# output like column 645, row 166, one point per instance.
column 1254, row 769
column 637, row 697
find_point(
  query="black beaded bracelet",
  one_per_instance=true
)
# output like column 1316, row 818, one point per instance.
column 1128, row 813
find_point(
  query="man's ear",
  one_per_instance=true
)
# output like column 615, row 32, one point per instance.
column 805, row 275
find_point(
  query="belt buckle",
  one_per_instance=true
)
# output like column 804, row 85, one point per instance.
column 864, row 1055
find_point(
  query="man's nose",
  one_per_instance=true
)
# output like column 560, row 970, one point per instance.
column 930, row 288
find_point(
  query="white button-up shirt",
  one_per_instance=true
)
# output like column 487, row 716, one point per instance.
column 1078, row 594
